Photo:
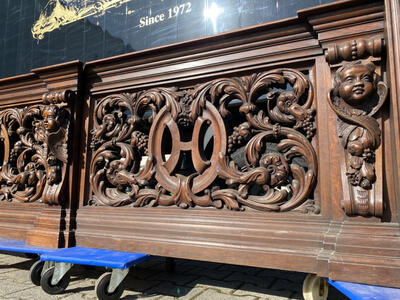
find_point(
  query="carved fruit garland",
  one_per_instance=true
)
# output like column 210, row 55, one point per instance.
column 155, row 147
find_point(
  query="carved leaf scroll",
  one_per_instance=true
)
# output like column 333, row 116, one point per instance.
column 241, row 142
column 34, row 149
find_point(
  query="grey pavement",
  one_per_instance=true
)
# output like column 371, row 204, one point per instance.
column 191, row 280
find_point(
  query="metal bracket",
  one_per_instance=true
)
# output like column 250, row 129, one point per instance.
column 117, row 276
column 47, row 265
column 60, row 269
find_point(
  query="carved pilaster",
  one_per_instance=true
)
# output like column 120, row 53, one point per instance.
column 356, row 97
column 34, row 142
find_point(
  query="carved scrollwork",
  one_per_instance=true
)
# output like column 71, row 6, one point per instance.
column 356, row 97
column 232, row 142
column 35, row 156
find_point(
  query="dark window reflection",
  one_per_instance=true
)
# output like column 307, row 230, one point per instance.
column 36, row 33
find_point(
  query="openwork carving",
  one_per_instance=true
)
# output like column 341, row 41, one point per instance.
column 353, row 50
column 356, row 97
column 34, row 151
column 232, row 142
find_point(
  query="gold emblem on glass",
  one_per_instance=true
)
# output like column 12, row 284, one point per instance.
column 58, row 13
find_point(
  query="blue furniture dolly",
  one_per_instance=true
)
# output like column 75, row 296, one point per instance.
column 17, row 246
column 358, row 291
column 55, row 277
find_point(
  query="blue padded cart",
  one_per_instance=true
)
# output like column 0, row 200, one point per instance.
column 357, row 291
column 55, row 278
column 18, row 246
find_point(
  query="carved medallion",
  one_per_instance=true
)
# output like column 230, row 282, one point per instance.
column 232, row 142
column 356, row 97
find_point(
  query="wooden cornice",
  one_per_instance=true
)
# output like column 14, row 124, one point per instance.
column 354, row 19
column 29, row 88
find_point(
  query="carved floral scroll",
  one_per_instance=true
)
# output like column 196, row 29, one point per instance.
column 34, row 150
column 356, row 97
column 242, row 142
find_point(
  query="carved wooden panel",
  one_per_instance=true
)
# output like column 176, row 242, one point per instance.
column 34, row 150
column 239, row 143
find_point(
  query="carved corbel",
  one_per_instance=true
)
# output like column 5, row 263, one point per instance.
column 56, row 124
column 356, row 97
column 35, row 150
column 354, row 50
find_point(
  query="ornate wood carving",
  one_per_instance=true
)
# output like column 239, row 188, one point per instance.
column 357, row 95
column 232, row 142
column 353, row 50
column 34, row 150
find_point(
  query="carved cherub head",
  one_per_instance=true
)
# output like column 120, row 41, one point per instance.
column 355, row 83
column 50, row 121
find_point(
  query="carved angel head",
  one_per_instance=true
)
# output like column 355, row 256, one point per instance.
column 50, row 121
column 355, row 83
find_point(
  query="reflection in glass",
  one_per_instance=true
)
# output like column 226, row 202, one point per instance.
column 37, row 33
column 212, row 13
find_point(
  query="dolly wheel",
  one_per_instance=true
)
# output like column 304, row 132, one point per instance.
column 315, row 288
column 102, row 288
column 35, row 272
column 60, row 287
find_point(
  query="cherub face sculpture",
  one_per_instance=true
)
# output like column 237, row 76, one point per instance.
column 50, row 120
column 356, row 83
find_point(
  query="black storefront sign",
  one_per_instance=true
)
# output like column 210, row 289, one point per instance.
column 36, row 33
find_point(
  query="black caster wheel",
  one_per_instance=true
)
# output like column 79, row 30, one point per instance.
column 101, row 288
column 170, row 264
column 35, row 272
column 60, row 287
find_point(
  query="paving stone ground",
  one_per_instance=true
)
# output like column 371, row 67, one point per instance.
column 191, row 280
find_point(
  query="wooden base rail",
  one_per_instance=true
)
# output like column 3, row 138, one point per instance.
column 273, row 146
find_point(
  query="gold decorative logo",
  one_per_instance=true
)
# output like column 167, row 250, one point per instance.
column 58, row 13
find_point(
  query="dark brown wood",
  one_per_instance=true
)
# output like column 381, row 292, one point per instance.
column 35, row 150
column 357, row 95
column 35, row 153
column 392, row 36
column 263, row 138
column 355, row 49
column 274, row 146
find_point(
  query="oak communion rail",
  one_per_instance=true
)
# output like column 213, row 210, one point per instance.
column 274, row 146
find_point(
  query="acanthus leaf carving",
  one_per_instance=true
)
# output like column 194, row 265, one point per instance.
column 232, row 142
